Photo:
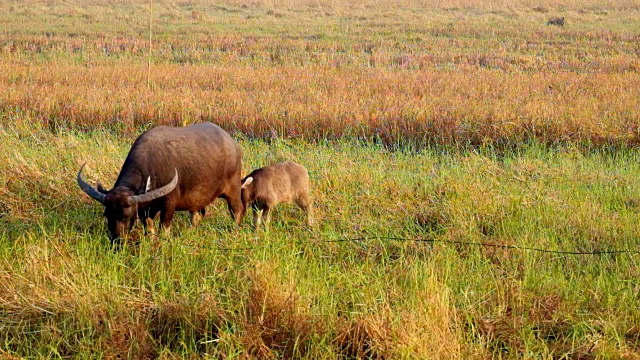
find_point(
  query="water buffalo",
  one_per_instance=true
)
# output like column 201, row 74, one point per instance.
column 172, row 169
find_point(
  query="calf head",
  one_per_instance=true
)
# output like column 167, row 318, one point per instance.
column 121, row 203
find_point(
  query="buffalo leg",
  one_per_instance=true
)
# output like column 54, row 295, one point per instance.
column 234, row 202
column 195, row 217
column 149, row 226
column 148, row 221
column 166, row 216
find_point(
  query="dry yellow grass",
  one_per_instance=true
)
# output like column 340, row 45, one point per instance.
column 475, row 106
column 412, row 72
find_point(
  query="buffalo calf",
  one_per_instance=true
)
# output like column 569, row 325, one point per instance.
column 285, row 182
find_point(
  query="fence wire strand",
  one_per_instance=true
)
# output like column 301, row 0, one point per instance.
column 470, row 243
column 456, row 242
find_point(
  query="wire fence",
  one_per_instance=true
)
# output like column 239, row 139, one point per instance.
column 470, row 243
column 464, row 243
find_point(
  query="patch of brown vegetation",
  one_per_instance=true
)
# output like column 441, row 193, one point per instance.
column 125, row 335
column 424, row 328
column 276, row 323
column 540, row 315
column 366, row 337
column 198, row 319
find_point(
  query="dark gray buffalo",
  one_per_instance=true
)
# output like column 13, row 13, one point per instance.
column 172, row 169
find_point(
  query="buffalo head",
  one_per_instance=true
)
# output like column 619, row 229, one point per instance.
column 121, row 203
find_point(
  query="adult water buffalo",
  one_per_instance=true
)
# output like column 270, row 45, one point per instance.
column 171, row 169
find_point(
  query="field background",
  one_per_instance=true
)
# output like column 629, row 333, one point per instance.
column 442, row 121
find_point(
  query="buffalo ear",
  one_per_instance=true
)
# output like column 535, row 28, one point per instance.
column 156, row 193
column 102, row 189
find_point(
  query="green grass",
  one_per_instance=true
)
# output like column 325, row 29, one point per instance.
column 295, row 292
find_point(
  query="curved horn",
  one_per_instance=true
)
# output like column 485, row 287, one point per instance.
column 157, row 193
column 90, row 190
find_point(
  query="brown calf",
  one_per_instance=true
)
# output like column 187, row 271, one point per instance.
column 285, row 182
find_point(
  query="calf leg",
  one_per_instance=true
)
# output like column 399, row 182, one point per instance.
column 307, row 206
column 257, row 217
column 310, row 218
column 266, row 217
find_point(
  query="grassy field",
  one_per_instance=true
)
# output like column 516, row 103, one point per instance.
column 230, row 292
column 450, row 123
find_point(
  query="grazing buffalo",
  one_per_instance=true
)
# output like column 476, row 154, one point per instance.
column 172, row 169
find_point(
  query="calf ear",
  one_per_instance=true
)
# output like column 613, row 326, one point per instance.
column 247, row 182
